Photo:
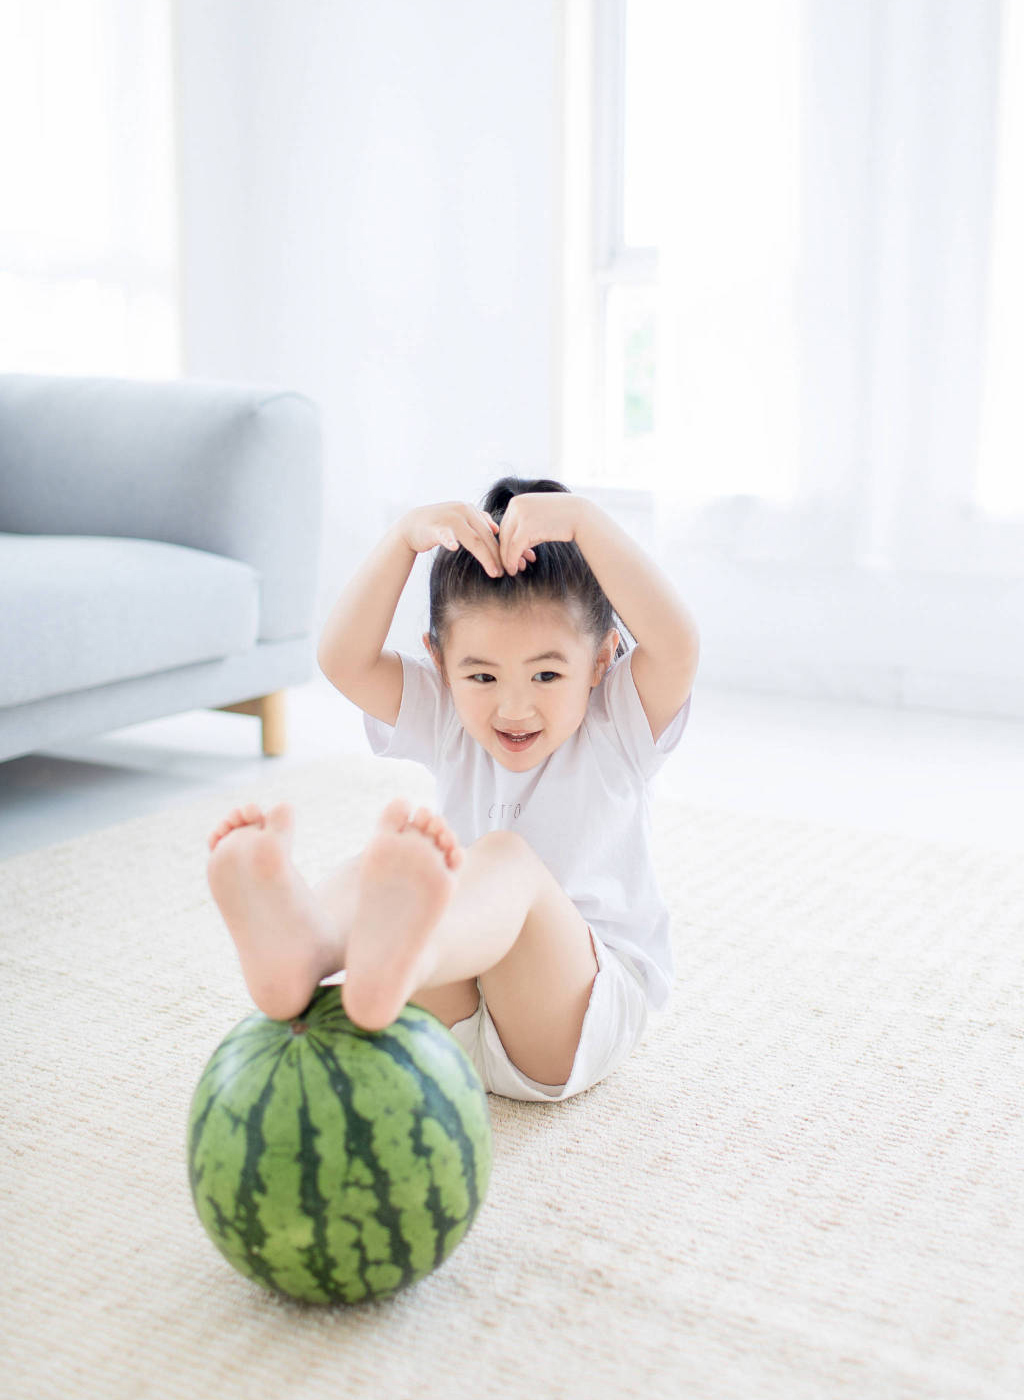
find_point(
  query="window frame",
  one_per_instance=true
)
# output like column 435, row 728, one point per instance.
column 842, row 515
column 593, row 255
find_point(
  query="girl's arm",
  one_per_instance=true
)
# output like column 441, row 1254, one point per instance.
column 664, row 661
column 351, row 652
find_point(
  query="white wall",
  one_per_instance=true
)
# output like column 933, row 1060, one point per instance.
column 370, row 207
column 368, row 197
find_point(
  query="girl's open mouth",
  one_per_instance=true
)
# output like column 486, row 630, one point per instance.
column 516, row 745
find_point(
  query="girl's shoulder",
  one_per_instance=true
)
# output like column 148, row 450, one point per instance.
column 616, row 715
column 423, row 715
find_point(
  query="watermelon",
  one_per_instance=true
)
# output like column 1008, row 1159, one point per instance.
column 334, row 1164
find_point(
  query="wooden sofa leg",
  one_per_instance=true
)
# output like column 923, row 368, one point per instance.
column 270, row 709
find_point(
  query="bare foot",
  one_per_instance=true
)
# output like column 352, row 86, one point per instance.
column 284, row 940
column 406, row 878
column 241, row 816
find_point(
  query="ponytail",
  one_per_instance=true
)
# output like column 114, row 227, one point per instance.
column 560, row 574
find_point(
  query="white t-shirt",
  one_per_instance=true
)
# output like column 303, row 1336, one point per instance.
column 585, row 810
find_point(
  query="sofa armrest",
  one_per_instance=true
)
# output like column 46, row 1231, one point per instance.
column 230, row 469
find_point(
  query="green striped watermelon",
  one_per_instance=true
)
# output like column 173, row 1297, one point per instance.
column 334, row 1164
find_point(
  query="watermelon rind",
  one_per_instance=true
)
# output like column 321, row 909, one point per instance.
column 332, row 1164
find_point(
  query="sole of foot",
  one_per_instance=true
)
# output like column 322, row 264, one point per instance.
column 281, row 935
column 407, row 876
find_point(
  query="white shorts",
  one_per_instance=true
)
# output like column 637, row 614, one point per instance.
column 615, row 1020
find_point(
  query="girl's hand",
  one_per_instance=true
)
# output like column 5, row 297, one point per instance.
column 531, row 519
column 450, row 524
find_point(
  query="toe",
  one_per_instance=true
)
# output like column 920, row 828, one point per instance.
column 281, row 818
column 395, row 815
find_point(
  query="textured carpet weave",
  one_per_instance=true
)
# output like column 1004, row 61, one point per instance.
column 807, row 1182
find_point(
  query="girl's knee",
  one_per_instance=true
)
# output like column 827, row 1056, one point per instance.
column 451, row 1002
column 508, row 844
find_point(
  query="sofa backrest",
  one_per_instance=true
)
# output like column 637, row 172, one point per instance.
column 232, row 469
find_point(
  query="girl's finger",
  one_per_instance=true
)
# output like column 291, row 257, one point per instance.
column 488, row 563
column 488, row 553
column 482, row 555
column 480, row 548
column 505, row 552
column 512, row 551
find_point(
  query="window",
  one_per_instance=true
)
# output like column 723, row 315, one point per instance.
column 88, row 248
column 793, row 302
column 696, row 370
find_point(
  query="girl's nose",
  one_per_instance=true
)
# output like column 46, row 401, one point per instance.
column 514, row 719
column 515, row 716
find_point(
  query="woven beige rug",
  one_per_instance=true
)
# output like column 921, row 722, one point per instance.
column 807, row 1182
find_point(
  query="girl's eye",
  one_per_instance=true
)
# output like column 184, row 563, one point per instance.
column 483, row 676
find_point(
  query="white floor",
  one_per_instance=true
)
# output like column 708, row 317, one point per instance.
column 936, row 776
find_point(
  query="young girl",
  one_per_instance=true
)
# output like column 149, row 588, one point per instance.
column 525, row 914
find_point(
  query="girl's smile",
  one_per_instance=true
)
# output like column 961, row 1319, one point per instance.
column 517, row 743
column 525, row 672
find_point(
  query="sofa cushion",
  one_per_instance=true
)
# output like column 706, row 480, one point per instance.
column 231, row 469
column 84, row 610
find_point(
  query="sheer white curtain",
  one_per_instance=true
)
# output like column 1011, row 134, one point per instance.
column 88, row 210
column 728, row 402
column 1000, row 486
column 830, row 386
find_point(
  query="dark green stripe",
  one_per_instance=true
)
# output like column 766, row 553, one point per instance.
column 444, row 1091
column 438, row 1106
column 214, row 1079
column 317, row 1256
column 245, row 1224
column 359, row 1144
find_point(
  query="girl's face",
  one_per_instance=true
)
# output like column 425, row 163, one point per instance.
column 503, row 681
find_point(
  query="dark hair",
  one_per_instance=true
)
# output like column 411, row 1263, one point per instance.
column 560, row 574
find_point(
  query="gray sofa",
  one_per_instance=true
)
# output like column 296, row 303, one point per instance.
column 159, row 545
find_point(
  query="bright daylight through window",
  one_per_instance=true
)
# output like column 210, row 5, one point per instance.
column 686, row 344
column 697, row 302
column 88, row 217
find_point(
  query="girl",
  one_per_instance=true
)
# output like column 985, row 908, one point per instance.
column 525, row 914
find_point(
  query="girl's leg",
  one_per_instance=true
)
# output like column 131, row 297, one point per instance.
column 501, row 915
column 289, row 936
column 285, row 938
column 407, row 926
column 338, row 892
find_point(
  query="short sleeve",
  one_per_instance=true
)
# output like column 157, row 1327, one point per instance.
column 625, row 713
column 422, row 716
